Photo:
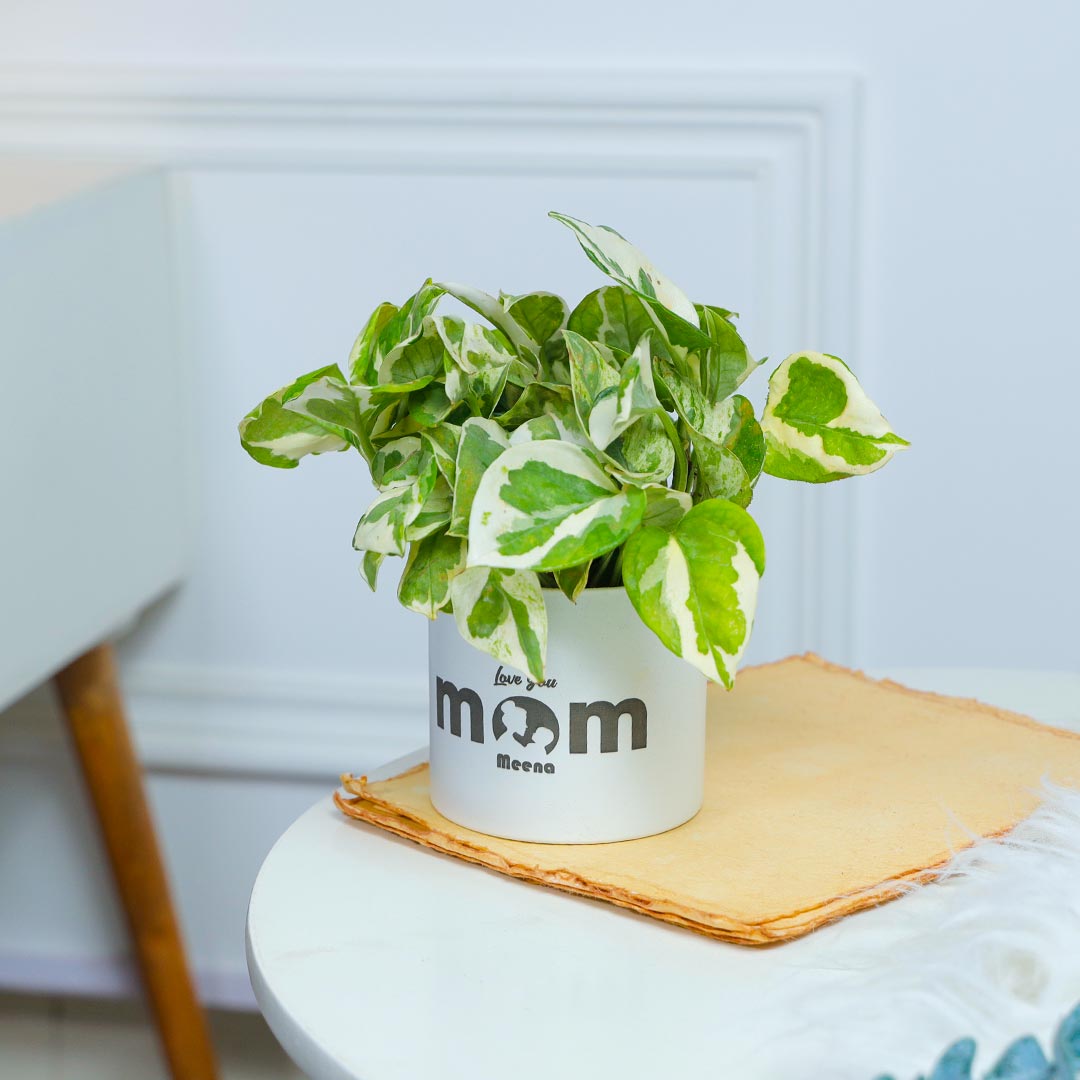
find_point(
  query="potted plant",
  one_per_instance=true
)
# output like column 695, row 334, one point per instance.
column 568, row 487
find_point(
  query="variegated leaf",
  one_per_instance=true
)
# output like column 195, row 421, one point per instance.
column 433, row 564
column 429, row 406
column 479, row 392
column 635, row 397
column 572, row 580
column 728, row 466
column 695, row 586
column 365, row 351
column 724, row 365
column 644, row 454
column 400, row 461
column 384, row 524
column 501, row 612
column 664, row 507
column 542, row 399
column 539, row 314
column 443, row 440
column 276, row 435
column 619, row 259
column 819, row 424
column 548, row 505
column 482, row 441
column 434, row 515
column 369, row 567
column 613, row 316
column 594, row 377
column 495, row 313
column 415, row 361
column 388, row 329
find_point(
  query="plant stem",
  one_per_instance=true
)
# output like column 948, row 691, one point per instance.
column 679, row 481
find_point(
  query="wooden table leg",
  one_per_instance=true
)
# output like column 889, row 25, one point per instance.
column 90, row 695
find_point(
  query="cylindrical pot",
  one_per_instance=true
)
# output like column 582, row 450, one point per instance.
column 610, row 747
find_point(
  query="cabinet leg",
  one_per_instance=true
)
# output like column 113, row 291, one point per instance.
column 90, row 695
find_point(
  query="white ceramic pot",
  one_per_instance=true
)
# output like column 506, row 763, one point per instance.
column 610, row 747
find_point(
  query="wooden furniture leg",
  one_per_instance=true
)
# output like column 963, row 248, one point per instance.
column 90, row 695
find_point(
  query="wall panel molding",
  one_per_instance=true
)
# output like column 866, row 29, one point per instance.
column 793, row 134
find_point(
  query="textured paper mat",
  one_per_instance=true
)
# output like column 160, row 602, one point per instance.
column 826, row 792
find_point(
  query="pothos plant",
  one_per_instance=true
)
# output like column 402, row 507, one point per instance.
column 564, row 447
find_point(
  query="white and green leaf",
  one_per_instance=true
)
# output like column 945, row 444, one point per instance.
column 432, row 565
column 695, row 585
column 594, row 378
column 485, row 304
column 415, row 361
column 728, row 464
column 363, row 359
column 613, row 316
column 664, row 507
column 400, row 461
column 546, row 506
column 434, row 515
column 501, row 612
column 391, row 328
column 820, row 425
column 620, row 260
column 444, row 439
column 481, row 442
column 274, row 434
column 644, row 453
column 573, row 579
column 634, row 397
column 725, row 364
column 383, row 528
column 369, row 567
column 539, row 314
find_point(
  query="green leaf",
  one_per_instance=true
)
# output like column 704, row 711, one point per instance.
column 664, row 507
column 389, row 330
column 619, row 259
column 369, row 567
column 480, row 391
column 364, row 355
column 502, row 613
column 726, row 362
column 548, row 505
column 539, row 314
column 572, row 580
column 434, row 515
column 443, row 440
column 417, row 360
column 384, row 524
column 495, row 313
column 276, row 435
column 644, row 453
column 695, row 586
column 719, row 474
column 482, row 441
column 400, row 461
column 432, row 565
column 429, row 406
column 542, row 399
column 820, row 425
column 613, row 316
column 728, row 465
column 594, row 378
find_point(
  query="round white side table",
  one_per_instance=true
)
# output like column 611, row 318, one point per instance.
column 374, row 960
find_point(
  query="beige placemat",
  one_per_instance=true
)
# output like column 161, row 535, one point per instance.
column 826, row 792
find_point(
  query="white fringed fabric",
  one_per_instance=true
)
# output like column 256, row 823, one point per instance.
column 990, row 949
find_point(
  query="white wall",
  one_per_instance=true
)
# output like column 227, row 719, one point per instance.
column 900, row 190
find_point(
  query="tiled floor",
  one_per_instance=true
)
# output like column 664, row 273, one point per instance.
column 45, row 1038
